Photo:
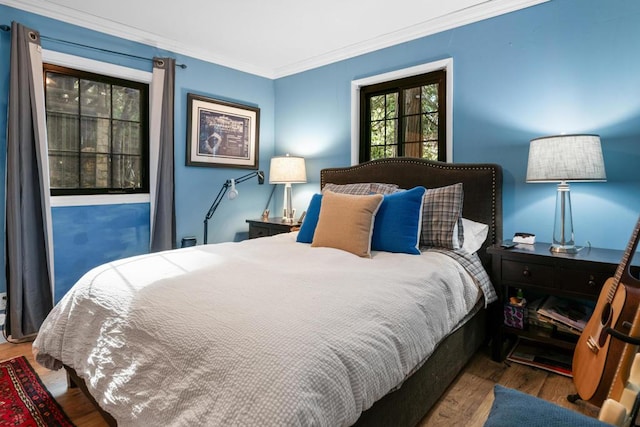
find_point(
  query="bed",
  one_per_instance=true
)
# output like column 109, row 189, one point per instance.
column 275, row 332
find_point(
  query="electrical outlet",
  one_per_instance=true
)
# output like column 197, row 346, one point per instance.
column 3, row 301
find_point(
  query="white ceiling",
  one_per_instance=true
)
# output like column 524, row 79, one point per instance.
column 270, row 38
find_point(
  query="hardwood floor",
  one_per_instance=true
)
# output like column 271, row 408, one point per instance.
column 466, row 402
column 468, row 399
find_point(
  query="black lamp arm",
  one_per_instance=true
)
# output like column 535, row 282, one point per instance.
column 222, row 192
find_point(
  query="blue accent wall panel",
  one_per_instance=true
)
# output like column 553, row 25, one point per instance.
column 87, row 236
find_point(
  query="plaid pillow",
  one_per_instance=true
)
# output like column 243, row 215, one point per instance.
column 442, row 211
column 379, row 188
column 361, row 188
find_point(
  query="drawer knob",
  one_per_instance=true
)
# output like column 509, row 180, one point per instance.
column 526, row 272
column 592, row 281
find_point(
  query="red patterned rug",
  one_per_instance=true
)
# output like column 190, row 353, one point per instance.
column 24, row 400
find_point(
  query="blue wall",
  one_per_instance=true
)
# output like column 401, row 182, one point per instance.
column 87, row 236
column 563, row 66
column 567, row 66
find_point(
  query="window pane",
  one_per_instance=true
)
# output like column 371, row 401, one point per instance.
column 430, row 127
column 390, row 132
column 382, row 152
column 413, row 149
column 126, row 138
column 126, row 172
column 95, row 135
column 96, row 99
column 392, row 106
column 62, row 132
column 126, row 103
column 63, row 169
column 430, row 150
column 412, row 131
column 430, row 102
column 377, row 133
column 95, row 170
column 411, row 101
column 376, row 105
column 61, row 93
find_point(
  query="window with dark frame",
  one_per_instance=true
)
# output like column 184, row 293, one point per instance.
column 97, row 133
column 404, row 118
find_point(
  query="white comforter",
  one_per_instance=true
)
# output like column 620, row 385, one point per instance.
column 261, row 332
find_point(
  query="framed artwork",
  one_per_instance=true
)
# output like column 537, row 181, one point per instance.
column 221, row 133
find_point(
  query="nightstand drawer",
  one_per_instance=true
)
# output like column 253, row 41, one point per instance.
column 527, row 273
column 582, row 281
column 256, row 231
column 269, row 227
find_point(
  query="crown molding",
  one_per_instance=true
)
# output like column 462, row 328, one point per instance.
column 112, row 28
column 485, row 10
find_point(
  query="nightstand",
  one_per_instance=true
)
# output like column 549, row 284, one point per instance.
column 537, row 271
column 269, row 227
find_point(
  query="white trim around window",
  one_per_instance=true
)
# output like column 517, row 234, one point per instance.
column 97, row 67
column 107, row 69
column 99, row 199
column 445, row 64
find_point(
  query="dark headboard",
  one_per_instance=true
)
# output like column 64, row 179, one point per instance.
column 482, row 184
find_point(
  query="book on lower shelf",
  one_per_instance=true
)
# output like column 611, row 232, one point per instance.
column 572, row 314
column 549, row 358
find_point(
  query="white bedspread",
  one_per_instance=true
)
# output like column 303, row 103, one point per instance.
column 261, row 332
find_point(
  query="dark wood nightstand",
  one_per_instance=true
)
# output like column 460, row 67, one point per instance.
column 269, row 227
column 537, row 271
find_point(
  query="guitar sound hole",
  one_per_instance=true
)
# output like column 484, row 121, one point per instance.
column 605, row 316
column 605, row 320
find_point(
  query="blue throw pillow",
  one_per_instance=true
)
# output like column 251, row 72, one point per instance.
column 308, row 227
column 397, row 225
column 514, row 408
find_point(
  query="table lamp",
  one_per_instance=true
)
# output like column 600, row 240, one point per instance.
column 287, row 170
column 563, row 159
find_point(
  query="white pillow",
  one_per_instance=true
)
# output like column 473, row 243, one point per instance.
column 475, row 233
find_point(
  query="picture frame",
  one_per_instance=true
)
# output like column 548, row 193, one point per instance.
column 221, row 133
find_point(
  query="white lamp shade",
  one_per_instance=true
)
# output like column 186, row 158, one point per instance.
column 287, row 170
column 566, row 158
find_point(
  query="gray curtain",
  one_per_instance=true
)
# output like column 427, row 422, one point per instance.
column 29, row 265
column 163, row 219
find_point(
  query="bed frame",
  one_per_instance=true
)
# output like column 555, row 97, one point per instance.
column 482, row 184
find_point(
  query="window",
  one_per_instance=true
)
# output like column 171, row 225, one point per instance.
column 404, row 117
column 97, row 132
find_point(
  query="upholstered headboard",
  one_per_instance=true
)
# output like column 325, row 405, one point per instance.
column 482, row 184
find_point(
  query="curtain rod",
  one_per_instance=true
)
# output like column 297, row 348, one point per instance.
column 8, row 28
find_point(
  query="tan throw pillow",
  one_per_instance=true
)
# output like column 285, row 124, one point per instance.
column 346, row 222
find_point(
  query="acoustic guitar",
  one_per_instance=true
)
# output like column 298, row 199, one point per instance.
column 596, row 356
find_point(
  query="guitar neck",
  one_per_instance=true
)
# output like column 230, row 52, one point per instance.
column 623, row 272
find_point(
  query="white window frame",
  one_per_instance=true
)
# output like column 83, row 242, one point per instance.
column 107, row 69
column 445, row 64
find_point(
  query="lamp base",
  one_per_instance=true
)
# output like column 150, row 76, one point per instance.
column 564, row 249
